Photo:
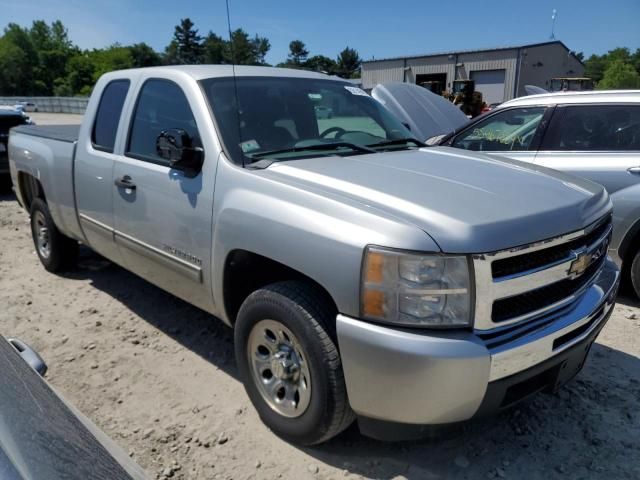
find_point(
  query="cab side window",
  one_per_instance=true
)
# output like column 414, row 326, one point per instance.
column 161, row 105
column 509, row 130
column 105, row 126
column 594, row 128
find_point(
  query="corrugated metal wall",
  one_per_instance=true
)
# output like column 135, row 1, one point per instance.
column 497, row 60
column 382, row 72
column 51, row 104
column 393, row 70
column 540, row 64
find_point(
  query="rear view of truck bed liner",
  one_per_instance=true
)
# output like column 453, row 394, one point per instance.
column 63, row 133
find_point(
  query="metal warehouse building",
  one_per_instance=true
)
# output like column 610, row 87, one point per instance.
column 500, row 73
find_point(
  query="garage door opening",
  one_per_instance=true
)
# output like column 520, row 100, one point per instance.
column 491, row 84
column 435, row 82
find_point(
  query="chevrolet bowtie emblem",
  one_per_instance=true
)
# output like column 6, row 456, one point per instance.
column 580, row 264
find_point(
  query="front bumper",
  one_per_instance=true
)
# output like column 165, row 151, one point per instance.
column 400, row 376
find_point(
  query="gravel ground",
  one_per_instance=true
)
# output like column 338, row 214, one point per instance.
column 158, row 376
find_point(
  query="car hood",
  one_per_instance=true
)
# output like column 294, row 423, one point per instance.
column 466, row 202
column 426, row 113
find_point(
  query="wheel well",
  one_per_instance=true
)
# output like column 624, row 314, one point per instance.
column 246, row 272
column 30, row 188
column 627, row 244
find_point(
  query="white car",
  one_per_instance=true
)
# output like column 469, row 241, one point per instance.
column 593, row 134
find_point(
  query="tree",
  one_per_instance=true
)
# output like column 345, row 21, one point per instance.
column 215, row 49
column 320, row 63
column 348, row 64
column 578, row 55
column 142, row 55
column 619, row 75
column 53, row 49
column 14, row 68
column 25, row 74
column 244, row 50
column 186, row 46
column 298, row 53
column 80, row 75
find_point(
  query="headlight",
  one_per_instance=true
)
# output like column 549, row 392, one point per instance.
column 415, row 290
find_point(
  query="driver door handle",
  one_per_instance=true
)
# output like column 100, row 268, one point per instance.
column 634, row 170
column 125, row 182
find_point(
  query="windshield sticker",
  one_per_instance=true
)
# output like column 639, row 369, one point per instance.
column 249, row 146
column 315, row 96
column 357, row 91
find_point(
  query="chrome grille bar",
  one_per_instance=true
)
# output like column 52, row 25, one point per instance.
column 490, row 290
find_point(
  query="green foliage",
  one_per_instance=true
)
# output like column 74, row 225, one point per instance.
column 619, row 75
column 618, row 68
column 320, row 63
column 298, row 53
column 42, row 60
column 186, row 46
column 349, row 63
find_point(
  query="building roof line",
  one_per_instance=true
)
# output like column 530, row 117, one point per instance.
column 476, row 50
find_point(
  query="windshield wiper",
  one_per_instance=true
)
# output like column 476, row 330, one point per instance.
column 311, row 148
column 399, row 141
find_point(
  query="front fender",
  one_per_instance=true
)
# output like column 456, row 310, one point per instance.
column 626, row 221
column 317, row 235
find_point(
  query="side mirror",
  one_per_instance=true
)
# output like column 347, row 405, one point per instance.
column 176, row 146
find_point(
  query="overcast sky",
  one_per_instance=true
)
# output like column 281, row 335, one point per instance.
column 374, row 28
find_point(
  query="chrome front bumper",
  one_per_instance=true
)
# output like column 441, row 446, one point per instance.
column 426, row 378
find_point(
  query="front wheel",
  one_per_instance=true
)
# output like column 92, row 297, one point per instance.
column 289, row 363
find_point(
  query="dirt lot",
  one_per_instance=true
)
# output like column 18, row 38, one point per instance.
column 159, row 377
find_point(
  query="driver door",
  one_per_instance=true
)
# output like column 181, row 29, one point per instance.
column 162, row 216
column 510, row 132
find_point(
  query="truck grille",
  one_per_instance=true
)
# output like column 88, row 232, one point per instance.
column 533, row 300
column 532, row 281
column 548, row 256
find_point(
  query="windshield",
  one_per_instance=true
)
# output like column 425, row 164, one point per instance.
column 282, row 118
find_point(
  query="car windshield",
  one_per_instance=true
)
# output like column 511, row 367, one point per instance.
column 284, row 118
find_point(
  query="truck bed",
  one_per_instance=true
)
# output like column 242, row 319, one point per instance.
column 62, row 133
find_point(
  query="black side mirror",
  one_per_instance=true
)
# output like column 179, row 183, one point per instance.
column 176, row 146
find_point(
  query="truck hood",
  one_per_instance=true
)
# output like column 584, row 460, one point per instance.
column 466, row 202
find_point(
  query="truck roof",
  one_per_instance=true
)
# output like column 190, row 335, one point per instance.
column 199, row 72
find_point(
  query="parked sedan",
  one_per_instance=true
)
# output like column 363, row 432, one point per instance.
column 42, row 436
column 592, row 134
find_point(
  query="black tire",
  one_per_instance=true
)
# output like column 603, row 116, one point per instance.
column 306, row 313
column 62, row 250
column 634, row 272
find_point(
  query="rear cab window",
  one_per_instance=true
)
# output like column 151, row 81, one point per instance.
column 594, row 128
column 105, row 126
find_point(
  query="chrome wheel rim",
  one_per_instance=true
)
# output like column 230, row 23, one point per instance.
column 43, row 242
column 279, row 368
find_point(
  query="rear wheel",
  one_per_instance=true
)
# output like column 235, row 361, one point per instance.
column 56, row 251
column 289, row 363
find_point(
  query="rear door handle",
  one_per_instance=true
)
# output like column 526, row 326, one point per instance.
column 634, row 170
column 125, row 182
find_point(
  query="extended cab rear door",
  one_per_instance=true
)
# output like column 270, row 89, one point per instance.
column 94, row 162
column 163, row 215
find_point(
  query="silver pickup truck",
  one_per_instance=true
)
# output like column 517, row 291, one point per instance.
column 364, row 275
